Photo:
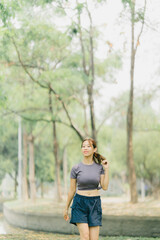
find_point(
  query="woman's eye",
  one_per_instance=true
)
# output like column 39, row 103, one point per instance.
column 86, row 146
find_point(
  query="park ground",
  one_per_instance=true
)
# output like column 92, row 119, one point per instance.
column 50, row 236
column 110, row 206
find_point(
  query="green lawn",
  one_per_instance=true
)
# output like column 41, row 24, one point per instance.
column 50, row 236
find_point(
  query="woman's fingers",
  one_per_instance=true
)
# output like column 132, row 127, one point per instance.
column 105, row 161
column 66, row 217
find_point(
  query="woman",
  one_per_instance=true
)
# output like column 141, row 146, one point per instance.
column 86, row 208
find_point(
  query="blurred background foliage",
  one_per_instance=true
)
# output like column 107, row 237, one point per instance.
column 37, row 56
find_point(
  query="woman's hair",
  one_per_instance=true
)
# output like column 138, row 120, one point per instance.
column 98, row 158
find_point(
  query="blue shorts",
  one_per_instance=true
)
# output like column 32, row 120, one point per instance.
column 86, row 209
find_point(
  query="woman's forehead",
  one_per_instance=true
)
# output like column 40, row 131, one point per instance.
column 87, row 142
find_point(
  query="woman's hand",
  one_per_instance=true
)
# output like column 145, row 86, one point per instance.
column 105, row 164
column 65, row 215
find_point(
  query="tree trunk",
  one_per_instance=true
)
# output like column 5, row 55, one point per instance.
column 42, row 189
column 55, row 152
column 91, row 107
column 65, row 171
column 24, row 168
column 91, row 85
column 20, row 160
column 15, row 185
column 130, row 160
column 91, row 69
column 32, row 168
column 57, row 163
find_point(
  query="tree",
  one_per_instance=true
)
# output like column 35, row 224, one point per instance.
column 8, row 150
column 146, row 142
column 42, row 55
column 134, row 17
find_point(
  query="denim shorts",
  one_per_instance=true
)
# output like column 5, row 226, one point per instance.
column 86, row 209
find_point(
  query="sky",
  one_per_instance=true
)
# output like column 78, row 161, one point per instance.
column 117, row 31
column 115, row 27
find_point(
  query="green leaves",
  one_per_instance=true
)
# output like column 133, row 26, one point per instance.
column 8, row 10
column 139, row 16
column 139, row 13
column 108, row 67
column 101, row 1
column 127, row 3
column 4, row 13
column 80, row 7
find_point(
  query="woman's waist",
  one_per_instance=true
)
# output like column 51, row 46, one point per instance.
column 91, row 193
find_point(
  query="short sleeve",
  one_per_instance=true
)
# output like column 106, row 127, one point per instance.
column 101, row 170
column 73, row 172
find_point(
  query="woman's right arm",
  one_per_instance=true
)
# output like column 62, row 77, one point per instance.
column 71, row 193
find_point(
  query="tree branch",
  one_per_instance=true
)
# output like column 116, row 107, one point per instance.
column 110, row 115
column 47, row 87
column 24, row 67
column 81, row 102
column 11, row 63
column 26, row 118
column 91, row 67
column 81, row 43
column 142, row 26
column 13, row 178
column 45, row 120
column 36, row 136
column 67, row 113
column 28, row 109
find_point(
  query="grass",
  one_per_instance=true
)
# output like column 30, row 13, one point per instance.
column 50, row 236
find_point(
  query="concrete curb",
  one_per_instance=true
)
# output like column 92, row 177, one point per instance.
column 112, row 225
column 2, row 202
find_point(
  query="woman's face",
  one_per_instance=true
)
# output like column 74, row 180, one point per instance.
column 87, row 149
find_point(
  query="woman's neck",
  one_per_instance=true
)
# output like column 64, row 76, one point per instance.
column 88, row 160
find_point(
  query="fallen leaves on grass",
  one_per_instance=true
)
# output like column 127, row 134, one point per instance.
column 43, row 236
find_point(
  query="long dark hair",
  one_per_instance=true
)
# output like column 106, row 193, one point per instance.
column 98, row 158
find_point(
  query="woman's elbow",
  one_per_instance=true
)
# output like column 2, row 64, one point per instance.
column 72, row 191
column 105, row 187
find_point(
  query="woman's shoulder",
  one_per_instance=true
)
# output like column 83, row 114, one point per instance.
column 76, row 166
column 99, row 165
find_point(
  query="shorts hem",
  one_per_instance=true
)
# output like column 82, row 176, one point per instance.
column 95, row 225
column 75, row 223
column 90, row 225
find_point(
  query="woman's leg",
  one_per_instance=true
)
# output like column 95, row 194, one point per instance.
column 83, row 230
column 94, row 233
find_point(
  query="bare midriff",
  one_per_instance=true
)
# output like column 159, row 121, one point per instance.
column 89, row 193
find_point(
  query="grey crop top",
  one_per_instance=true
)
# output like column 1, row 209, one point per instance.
column 88, row 176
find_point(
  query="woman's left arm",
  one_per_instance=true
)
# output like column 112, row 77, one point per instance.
column 105, row 176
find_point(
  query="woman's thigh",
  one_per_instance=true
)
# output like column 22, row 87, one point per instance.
column 94, row 233
column 83, row 230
